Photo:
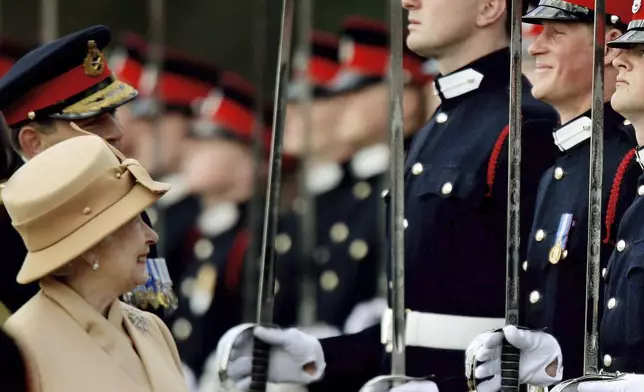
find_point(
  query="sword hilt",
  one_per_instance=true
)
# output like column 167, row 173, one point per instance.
column 259, row 370
column 510, row 357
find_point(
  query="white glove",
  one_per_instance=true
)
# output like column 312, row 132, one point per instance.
column 365, row 315
column 291, row 350
column 416, row 386
column 628, row 383
column 538, row 350
column 189, row 376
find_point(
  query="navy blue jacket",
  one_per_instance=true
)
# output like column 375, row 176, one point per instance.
column 556, row 289
column 622, row 326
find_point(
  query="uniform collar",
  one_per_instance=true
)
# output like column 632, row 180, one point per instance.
column 178, row 190
column 488, row 72
column 323, row 177
column 579, row 129
column 370, row 161
column 217, row 220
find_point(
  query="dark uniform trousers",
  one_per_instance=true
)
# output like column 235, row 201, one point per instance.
column 622, row 326
column 555, row 284
column 346, row 254
column 456, row 206
column 209, row 297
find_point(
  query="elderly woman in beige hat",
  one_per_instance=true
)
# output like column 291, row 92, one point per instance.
column 77, row 207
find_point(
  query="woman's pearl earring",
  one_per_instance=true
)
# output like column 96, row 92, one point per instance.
column 95, row 265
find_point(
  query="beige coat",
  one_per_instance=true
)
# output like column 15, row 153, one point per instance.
column 76, row 349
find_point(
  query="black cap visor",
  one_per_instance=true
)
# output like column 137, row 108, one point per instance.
column 558, row 10
column 634, row 36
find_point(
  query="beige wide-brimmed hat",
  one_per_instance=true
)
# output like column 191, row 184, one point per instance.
column 70, row 197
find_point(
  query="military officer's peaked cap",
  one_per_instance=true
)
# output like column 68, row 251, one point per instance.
column 635, row 33
column 364, row 56
column 618, row 12
column 68, row 79
column 228, row 111
column 323, row 65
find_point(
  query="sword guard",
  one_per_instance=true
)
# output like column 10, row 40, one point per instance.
column 571, row 385
column 384, row 383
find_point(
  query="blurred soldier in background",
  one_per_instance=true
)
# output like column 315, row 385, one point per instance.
column 158, row 124
column 218, row 169
column 348, row 133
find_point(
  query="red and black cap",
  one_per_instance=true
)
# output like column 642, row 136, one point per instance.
column 128, row 59
column 68, row 79
column 10, row 52
column 182, row 80
column 229, row 111
column 324, row 64
column 635, row 33
column 618, row 12
column 364, row 56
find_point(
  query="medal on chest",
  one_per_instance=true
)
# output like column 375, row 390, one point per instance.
column 558, row 250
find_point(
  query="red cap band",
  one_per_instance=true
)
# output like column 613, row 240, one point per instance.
column 63, row 87
column 180, row 90
column 130, row 72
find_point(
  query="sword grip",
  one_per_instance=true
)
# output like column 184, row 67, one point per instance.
column 510, row 357
column 259, row 372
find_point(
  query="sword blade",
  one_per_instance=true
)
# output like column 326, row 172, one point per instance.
column 591, row 350
column 510, row 355
column 266, row 296
column 397, row 210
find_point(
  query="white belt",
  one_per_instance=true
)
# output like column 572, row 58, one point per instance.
column 441, row 331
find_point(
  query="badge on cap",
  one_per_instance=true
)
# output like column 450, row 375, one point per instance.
column 558, row 251
column 94, row 61
column 637, row 4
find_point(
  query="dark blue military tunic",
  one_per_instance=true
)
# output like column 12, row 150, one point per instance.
column 456, row 206
column 209, row 298
column 622, row 326
column 179, row 218
column 346, row 255
column 554, row 276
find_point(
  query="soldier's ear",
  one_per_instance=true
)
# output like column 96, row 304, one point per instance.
column 30, row 141
column 611, row 53
column 491, row 12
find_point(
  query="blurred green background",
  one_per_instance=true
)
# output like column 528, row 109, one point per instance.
column 220, row 31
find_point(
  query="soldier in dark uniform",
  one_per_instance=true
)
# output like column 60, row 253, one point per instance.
column 158, row 140
column 218, row 167
column 621, row 337
column 622, row 326
column 558, row 241
column 68, row 83
column 456, row 190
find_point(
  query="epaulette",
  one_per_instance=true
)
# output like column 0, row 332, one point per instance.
column 494, row 159
column 611, row 211
column 236, row 259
